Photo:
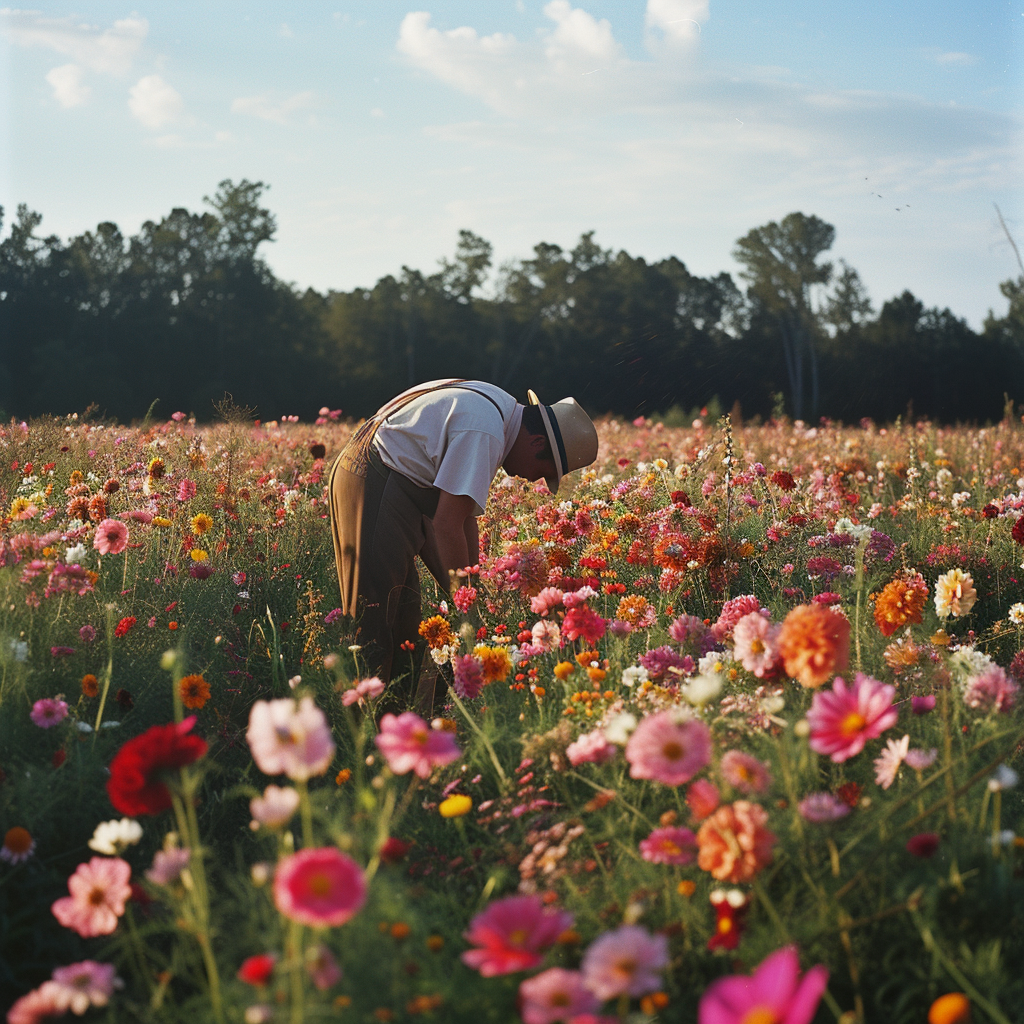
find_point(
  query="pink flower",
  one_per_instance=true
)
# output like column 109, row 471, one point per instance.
column 276, row 807
column 186, row 490
column 36, row 1006
column 919, row 759
column 591, row 747
column 702, row 798
column 545, row 636
column 111, row 537
column 822, row 807
column 99, row 890
column 168, row 865
column 624, row 962
column 364, row 690
column 555, row 995
column 686, row 628
column 468, row 673
column 992, row 690
column 671, row 845
column 48, row 712
column 463, row 598
column 667, row 749
column 410, row 745
column 548, row 599
column 291, row 739
column 744, row 772
column 511, row 933
column 844, row 718
column 775, row 992
column 887, row 764
column 755, row 640
column 319, row 887
column 583, row 623
column 922, row 705
column 322, row 968
column 732, row 612
column 85, row 984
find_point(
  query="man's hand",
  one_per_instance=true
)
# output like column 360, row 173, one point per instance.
column 454, row 527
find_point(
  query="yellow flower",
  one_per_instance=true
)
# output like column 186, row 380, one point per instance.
column 496, row 661
column 198, row 555
column 156, row 468
column 201, row 523
column 455, row 806
column 161, row 521
column 563, row 670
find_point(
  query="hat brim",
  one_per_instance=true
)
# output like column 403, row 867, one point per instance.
column 555, row 441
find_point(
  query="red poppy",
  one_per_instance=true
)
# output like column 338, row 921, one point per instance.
column 136, row 784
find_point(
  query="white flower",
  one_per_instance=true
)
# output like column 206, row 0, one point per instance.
column 960, row 498
column 943, row 478
column 966, row 662
column 857, row 531
column 1004, row 778
column 634, row 674
column 702, row 689
column 715, row 661
column 75, row 555
column 618, row 729
column 114, row 837
column 1016, row 614
column 19, row 650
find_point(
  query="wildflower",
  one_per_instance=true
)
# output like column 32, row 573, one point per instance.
column 437, row 632
column 887, row 764
column 393, row 850
column 99, row 890
column 555, row 995
column 187, row 490
column 730, row 910
column 75, row 555
column 87, row 633
column 849, row 793
column 563, row 670
column 583, row 623
column 319, row 887
column 156, row 469
column 668, row 750
column 124, row 699
column 545, row 636
column 409, row 744
column 111, row 537
column 85, row 984
column 924, row 844
column 902, row 654
column 755, row 640
column 731, row 613
column 1004, row 778
column 48, row 712
column 276, row 807
column 195, row 691
column 637, row 611
column 463, row 598
column 546, row 601
column 901, row 601
column 322, row 968
column 775, row 992
column 468, row 675
column 814, row 643
column 822, row 807
column 591, row 748
column 18, row 845
column 843, row 719
column 114, row 837
column 35, row 1006
column 954, row 594
column 672, row 845
column 991, row 690
column 783, row 480
column 201, row 523
column 364, row 690
column 702, row 798
column 952, row 1008
column 1016, row 614
column 511, row 933
column 257, row 970
column 124, row 625
column 733, row 842
column 198, row 555
column 744, row 772
column 922, row 705
column 289, row 738
column 136, row 784
column 90, row 685
column 455, row 806
column 495, row 661
column 343, row 776
column 624, row 962
column 168, row 865
column 919, row 759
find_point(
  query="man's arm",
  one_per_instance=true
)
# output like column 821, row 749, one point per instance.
column 455, row 537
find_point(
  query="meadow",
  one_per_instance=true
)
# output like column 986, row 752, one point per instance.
column 733, row 735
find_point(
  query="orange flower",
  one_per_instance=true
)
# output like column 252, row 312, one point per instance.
column 953, row 1008
column 814, row 644
column 901, row 601
column 195, row 692
column 637, row 611
column 90, row 686
column 734, row 844
column 437, row 632
column 902, row 654
column 343, row 776
column 563, row 670
column 496, row 661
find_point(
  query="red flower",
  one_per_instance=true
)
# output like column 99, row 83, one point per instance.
column 136, row 785
column 394, row 850
column 1017, row 533
column 583, row 623
column 783, row 480
column 124, row 625
column 257, row 970
column 849, row 793
column 923, row 845
column 730, row 911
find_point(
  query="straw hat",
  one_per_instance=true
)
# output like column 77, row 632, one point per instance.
column 571, row 434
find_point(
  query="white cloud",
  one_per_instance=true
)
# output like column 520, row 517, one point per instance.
column 263, row 107
column 578, row 36
column 66, row 82
column 284, row 31
column 109, row 51
column 153, row 102
column 955, row 60
column 675, row 21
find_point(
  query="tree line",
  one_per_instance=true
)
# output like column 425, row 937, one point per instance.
column 187, row 310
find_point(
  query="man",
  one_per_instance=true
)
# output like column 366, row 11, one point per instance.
column 412, row 480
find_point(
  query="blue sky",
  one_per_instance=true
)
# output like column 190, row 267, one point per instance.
column 669, row 127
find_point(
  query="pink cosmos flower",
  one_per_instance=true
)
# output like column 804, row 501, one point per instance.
column 555, row 995
column 775, row 992
column 410, row 745
column 992, row 690
column 99, row 890
column 591, row 747
column 844, row 718
column 168, row 865
column 35, row 1006
column 48, row 712
column 755, row 640
column 672, row 845
column 822, row 807
column 548, row 599
column 919, row 759
column 887, row 764
column 624, row 962
column 702, row 798
column 667, row 749
column 111, row 537
column 319, row 887
column 276, row 807
column 363, row 691
column 85, row 984
column 744, row 772
column 511, row 934
column 468, row 676
column 291, row 739
column 322, row 968
column 732, row 612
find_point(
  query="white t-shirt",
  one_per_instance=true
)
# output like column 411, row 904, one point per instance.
column 454, row 439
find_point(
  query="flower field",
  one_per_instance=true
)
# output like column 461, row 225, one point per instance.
column 733, row 736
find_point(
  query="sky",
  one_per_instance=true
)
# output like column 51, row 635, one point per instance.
column 667, row 127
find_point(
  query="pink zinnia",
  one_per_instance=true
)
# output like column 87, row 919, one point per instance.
column 289, row 738
column 774, row 992
column 410, row 745
column 755, row 641
column 319, row 887
column 111, row 537
column 844, row 718
column 555, row 995
column 702, row 798
column 668, row 750
column 548, row 599
column 591, row 747
column 99, row 890
column 687, row 628
column 583, row 623
column 85, row 984
column 468, row 676
column 625, row 962
column 672, row 845
column 511, row 934
column 48, row 712
column 732, row 612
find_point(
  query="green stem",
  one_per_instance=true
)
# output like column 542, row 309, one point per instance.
column 306, row 812
column 486, row 742
column 295, row 974
column 108, row 672
column 603, row 789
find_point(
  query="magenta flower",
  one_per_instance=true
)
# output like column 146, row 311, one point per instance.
column 822, row 807
column 48, row 712
column 583, row 623
column 319, row 887
column 555, row 995
column 591, row 747
column 99, row 890
column 468, row 676
column 732, row 612
column 410, row 745
column 322, row 968
column 774, row 992
column 844, row 718
column 289, row 738
column 85, row 984
column 364, row 690
column 111, row 537
column 511, row 934
column 667, row 749
column 186, row 490
column 625, row 962
column 671, row 845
